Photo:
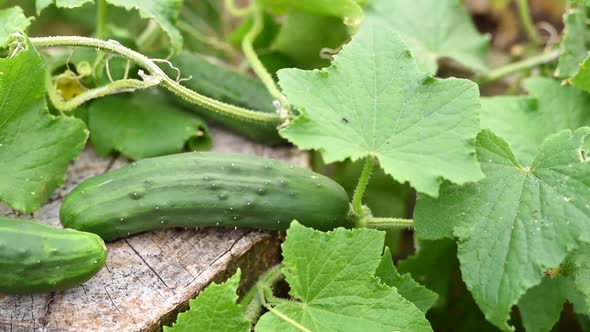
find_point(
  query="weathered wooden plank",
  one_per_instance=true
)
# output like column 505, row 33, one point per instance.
column 150, row 276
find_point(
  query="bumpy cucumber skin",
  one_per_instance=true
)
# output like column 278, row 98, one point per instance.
column 199, row 189
column 37, row 258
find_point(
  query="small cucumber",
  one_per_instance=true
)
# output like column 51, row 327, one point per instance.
column 200, row 189
column 37, row 258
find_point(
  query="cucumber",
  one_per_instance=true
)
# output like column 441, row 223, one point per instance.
column 231, row 87
column 37, row 258
column 199, row 189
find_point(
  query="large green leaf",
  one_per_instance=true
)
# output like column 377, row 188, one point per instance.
column 524, row 122
column 144, row 125
column 519, row 221
column 373, row 101
column 164, row 12
column 35, row 147
column 12, row 20
column 42, row 4
column 576, row 37
column 422, row 297
column 333, row 275
column 215, row 310
column 434, row 29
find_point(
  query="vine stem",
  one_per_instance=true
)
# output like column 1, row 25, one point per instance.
column 101, row 14
column 255, row 63
column 278, row 313
column 525, row 17
column 165, row 81
column 359, row 191
column 385, row 224
column 528, row 63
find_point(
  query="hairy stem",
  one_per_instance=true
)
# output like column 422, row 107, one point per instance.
column 385, row 224
column 525, row 17
column 101, row 14
column 255, row 63
column 515, row 67
column 278, row 313
column 359, row 191
column 165, row 81
column 120, row 86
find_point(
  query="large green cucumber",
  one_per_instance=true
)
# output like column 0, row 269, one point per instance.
column 231, row 87
column 37, row 258
column 199, row 189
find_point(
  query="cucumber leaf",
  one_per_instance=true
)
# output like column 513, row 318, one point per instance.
column 215, row 309
column 519, row 221
column 574, row 62
column 164, row 12
column 333, row 275
column 144, row 125
column 541, row 306
column 576, row 36
column 511, row 117
column 373, row 101
column 422, row 297
column 42, row 4
column 12, row 20
column 434, row 29
column 35, row 146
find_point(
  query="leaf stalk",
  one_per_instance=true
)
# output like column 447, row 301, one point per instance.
column 254, row 60
column 101, row 14
column 525, row 17
column 359, row 191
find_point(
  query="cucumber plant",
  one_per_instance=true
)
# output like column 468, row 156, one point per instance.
column 500, row 183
